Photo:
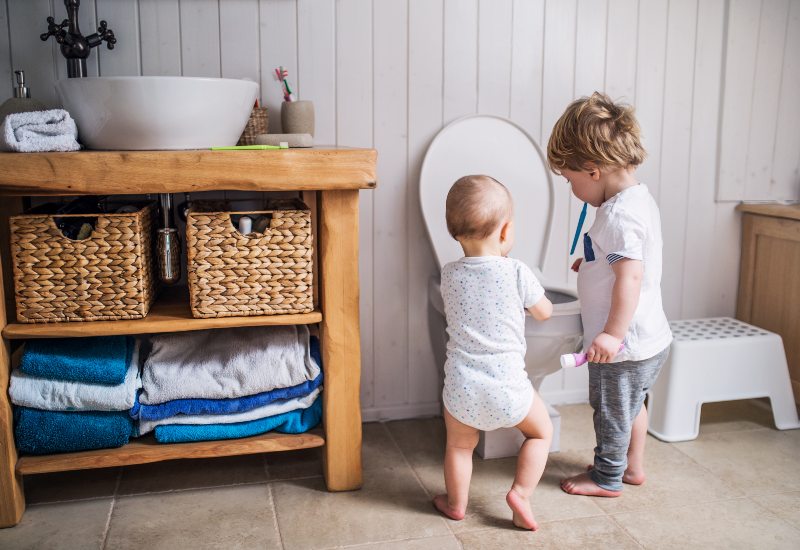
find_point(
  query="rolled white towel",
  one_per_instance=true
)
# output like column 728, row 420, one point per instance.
column 39, row 131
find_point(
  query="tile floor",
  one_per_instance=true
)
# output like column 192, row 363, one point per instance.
column 736, row 486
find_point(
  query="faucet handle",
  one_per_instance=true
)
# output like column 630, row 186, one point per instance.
column 57, row 30
column 103, row 33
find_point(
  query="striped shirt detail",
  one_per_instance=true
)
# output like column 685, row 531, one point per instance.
column 613, row 258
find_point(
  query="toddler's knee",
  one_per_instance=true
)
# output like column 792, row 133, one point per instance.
column 464, row 441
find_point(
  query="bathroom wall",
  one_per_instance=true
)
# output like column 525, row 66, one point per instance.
column 714, row 83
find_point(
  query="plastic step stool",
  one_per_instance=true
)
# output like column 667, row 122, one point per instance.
column 718, row 359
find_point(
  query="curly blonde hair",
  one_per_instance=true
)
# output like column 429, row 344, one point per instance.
column 595, row 129
column 476, row 206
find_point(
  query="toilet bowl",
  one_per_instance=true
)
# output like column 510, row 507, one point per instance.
column 498, row 148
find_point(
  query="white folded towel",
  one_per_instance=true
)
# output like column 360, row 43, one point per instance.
column 270, row 409
column 220, row 364
column 64, row 395
column 39, row 131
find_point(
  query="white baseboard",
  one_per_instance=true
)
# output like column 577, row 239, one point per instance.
column 401, row 412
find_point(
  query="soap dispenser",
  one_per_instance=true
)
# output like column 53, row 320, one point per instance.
column 21, row 102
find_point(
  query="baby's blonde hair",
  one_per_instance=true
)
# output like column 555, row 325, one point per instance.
column 595, row 129
column 476, row 206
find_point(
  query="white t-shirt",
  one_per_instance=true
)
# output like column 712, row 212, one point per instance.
column 627, row 225
column 485, row 297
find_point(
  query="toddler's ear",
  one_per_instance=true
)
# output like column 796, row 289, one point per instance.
column 593, row 169
column 504, row 231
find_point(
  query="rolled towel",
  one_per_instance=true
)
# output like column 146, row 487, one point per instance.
column 63, row 395
column 39, row 131
column 222, row 364
column 233, row 405
column 295, row 422
column 93, row 360
column 271, row 409
column 46, row 432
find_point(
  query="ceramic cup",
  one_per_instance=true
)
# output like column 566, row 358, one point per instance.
column 297, row 117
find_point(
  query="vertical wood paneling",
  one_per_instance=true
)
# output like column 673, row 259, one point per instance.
column 494, row 57
column 785, row 181
column 159, row 33
column 526, row 65
column 424, row 121
column 460, row 70
column 238, row 30
column 391, row 317
column 766, row 96
column 676, row 145
column 6, row 73
column 316, row 62
column 354, row 112
column 620, row 69
column 123, row 18
column 278, row 31
column 200, row 41
column 28, row 53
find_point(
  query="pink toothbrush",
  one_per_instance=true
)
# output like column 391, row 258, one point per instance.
column 577, row 359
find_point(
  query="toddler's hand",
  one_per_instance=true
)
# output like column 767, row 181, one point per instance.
column 604, row 348
column 577, row 264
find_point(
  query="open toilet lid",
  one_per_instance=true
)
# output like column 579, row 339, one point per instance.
column 495, row 147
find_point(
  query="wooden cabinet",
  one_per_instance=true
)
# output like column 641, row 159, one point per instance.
column 769, row 280
column 329, row 179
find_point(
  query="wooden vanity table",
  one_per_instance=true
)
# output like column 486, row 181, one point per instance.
column 329, row 180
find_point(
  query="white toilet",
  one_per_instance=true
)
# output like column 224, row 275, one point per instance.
column 498, row 148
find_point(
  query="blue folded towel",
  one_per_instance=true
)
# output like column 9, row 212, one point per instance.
column 293, row 422
column 230, row 405
column 45, row 432
column 94, row 360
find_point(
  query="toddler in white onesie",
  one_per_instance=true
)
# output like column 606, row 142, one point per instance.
column 486, row 295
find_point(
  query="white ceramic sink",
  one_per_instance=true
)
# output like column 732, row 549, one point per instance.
column 157, row 112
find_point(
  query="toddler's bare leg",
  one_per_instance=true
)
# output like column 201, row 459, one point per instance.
column 461, row 442
column 538, row 431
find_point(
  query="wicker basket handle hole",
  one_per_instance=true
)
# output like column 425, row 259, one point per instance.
column 74, row 228
column 258, row 224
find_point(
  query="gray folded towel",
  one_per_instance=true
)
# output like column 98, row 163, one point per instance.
column 39, row 131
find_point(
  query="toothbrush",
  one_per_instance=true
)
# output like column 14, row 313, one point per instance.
column 569, row 360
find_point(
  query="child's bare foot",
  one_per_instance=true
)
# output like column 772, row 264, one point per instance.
column 631, row 477
column 441, row 504
column 582, row 484
column 521, row 508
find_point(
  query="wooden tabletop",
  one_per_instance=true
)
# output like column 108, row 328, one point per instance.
column 140, row 172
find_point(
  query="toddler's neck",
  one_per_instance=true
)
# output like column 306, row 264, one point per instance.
column 483, row 247
column 616, row 181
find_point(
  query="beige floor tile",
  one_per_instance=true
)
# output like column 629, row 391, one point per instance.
column 754, row 461
column 175, row 475
column 672, row 479
column 739, row 523
column 294, row 464
column 583, row 534
column 227, row 517
column 783, row 505
column 68, row 525
column 731, row 416
column 422, row 441
column 577, row 428
column 391, row 506
column 432, row 543
column 378, row 449
column 77, row 485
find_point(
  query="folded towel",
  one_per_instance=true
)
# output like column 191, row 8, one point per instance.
column 46, row 432
column 271, row 409
column 233, row 405
column 52, row 130
column 62, row 395
column 294, row 422
column 221, row 364
column 94, row 360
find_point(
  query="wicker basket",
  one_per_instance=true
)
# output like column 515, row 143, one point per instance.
column 231, row 274
column 105, row 277
column 256, row 124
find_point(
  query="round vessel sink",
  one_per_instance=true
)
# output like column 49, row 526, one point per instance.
column 157, row 112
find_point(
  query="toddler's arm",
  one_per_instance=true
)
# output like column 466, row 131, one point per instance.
column 541, row 310
column 624, row 299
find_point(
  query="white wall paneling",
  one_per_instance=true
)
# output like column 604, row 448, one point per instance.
column 714, row 83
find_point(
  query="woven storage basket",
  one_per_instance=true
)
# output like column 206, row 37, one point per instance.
column 105, row 277
column 256, row 124
column 231, row 274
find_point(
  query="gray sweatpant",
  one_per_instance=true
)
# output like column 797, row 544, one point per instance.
column 616, row 393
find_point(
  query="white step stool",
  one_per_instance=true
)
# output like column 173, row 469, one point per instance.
column 718, row 359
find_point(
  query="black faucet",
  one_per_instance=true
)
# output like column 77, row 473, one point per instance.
column 74, row 45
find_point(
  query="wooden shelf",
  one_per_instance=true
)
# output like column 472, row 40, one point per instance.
column 139, row 172
column 146, row 450
column 170, row 313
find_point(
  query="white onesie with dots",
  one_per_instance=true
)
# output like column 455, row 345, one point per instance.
column 485, row 298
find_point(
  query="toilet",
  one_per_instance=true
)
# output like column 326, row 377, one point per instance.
column 499, row 148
